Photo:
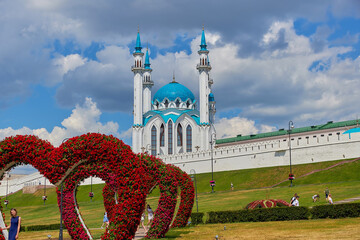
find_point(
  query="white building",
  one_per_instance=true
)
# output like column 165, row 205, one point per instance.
column 170, row 123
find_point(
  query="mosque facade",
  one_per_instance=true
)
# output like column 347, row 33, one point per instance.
column 172, row 121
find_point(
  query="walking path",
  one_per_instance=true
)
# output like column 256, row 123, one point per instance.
column 319, row 170
column 139, row 234
column 347, row 200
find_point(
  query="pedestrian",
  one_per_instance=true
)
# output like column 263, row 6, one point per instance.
column 105, row 220
column 330, row 200
column 14, row 226
column 296, row 203
column 232, row 186
column 150, row 214
column 293, row 198
column 142, row 221
column 316, row 197
column 327, row 192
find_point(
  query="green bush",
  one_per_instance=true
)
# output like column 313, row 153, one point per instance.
column 55, row 226
column 336, row 211
column 197, row 218
column 259, row 215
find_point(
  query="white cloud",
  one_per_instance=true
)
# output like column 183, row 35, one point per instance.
column 231, row 127
column 84, row 119
column 69, row 62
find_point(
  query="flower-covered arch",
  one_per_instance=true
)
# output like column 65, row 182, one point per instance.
column 114, row 162
column 129, row 178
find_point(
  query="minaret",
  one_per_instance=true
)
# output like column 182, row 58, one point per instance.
column 204, row 88
column 147, row 84
column 138, row 70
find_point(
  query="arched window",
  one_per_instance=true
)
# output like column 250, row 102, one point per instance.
column 170, row 139
column 153, row 141
column 179, row 136
column 187, row 103
column 188, row 139
column 166, row 103
column 162, row 137
column 177, row 102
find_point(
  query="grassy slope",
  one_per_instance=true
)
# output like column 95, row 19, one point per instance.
column 343, row 181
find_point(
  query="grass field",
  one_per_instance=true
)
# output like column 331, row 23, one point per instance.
column 330, row 229
column 343, row 182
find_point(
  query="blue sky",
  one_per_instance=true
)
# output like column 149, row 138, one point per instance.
column 65, row 65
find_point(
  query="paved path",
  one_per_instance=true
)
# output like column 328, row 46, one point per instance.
column 140, row 234
column 348, row 200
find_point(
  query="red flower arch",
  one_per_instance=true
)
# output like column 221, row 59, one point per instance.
column 130, row 176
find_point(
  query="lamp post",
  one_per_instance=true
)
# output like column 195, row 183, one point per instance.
column 91, row 189
column 193, row 177
column 291, row 176
column 212, row 182
column 61, row 205
column 7, row 188
column 44, row 197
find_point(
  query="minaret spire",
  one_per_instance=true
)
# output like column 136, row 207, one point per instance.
column 203, row 41
column 138, row 70
column 138, row 42
column 147, row 59
column 205, row 83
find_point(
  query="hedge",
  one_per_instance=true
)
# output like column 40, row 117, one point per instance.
column 336, row 211
column 31, row 228
column 259, row 215
column 197, row 218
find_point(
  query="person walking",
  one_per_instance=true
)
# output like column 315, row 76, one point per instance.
column 327, row 192
column 232, row 186
column 105, row 220
column 14, row 226
column 142, row 221
column 150, row 214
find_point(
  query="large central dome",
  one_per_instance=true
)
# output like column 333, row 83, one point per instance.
column 172, row 91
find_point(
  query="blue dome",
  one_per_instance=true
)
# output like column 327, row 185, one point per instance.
column 172, row 91
column 211, row 97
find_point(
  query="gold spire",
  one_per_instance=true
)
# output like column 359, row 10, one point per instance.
column 174, row 77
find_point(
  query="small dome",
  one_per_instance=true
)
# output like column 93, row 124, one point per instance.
column 211, row 97
column 172, row 91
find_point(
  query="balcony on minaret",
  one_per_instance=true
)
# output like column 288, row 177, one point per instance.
column 204, row 63
column 148, row 83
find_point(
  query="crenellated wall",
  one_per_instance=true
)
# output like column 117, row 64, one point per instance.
column 310, row 148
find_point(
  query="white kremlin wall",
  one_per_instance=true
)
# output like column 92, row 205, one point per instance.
column 309, row 148
column 17, row 183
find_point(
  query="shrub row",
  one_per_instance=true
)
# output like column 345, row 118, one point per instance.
column 197, row 218
column 40, row 227
column 336, row 211
column 279, row 214
column 259, row 215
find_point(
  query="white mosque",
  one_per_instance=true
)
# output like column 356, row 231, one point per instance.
column 170, row 123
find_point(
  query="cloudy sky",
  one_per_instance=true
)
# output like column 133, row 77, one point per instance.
column 65, row 65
